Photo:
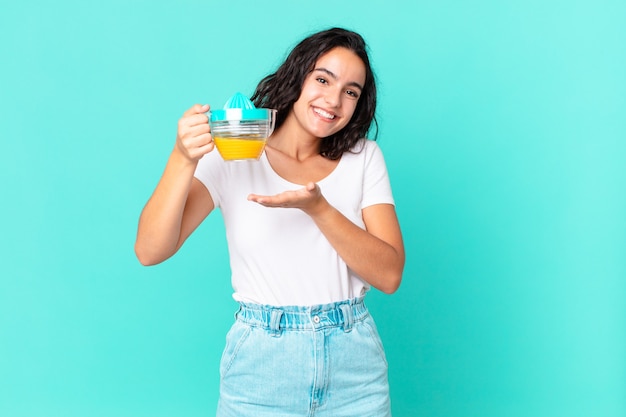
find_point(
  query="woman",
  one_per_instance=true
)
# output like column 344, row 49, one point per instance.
column 311, row 227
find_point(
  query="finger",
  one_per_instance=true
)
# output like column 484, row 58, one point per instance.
column 264, row 200
column 196, row 109
column 192, row 142
column 190, row 136
column 197, row 130
column 205, row 149
column 195, row 119
column 199, row 146
column 255, row 197
column 278, row 200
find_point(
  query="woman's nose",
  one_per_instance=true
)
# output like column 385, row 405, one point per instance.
column 332, row 97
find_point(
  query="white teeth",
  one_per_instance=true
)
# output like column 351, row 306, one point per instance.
column 324, row 114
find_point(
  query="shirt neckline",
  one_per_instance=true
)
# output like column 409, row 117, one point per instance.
column 331, row 174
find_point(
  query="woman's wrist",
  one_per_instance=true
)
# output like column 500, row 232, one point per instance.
column 181, row 159
column 319, row 210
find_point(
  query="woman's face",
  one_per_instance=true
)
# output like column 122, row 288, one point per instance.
column 330, row 93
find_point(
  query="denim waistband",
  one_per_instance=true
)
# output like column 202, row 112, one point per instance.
column 277, row 319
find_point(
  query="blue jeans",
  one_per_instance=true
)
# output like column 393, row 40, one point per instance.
column 317, row 361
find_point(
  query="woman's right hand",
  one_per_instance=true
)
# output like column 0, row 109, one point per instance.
column 180, row 202
column 194, row 138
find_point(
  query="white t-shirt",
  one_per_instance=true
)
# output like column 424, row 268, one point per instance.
column 278, row 256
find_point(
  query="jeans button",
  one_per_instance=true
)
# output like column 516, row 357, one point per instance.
column 316, row 319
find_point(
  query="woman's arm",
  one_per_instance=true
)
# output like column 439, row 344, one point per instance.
column 375, row 254
column 179, row 202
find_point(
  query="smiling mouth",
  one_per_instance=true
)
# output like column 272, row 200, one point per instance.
column 324, row 113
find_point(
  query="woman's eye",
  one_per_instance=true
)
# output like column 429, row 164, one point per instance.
column 322, row 80
column 352, row 93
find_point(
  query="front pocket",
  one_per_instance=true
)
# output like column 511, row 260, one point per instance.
column 235, row 339
column 369, row 324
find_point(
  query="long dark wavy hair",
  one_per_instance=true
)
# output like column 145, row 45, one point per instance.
column 282, row 89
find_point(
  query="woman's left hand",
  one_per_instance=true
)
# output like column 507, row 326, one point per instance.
column 375, row 253
column 309, row 199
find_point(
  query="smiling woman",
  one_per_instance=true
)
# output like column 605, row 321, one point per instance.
column 282, row 89
column 311, row 227
column 329, row 94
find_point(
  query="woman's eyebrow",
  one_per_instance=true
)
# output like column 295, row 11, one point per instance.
column 332, row 75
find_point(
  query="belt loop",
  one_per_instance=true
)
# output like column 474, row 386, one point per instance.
column 275, row 322
column 238, row 312
column 346, row 312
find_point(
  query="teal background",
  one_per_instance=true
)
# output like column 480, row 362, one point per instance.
column 503, row 124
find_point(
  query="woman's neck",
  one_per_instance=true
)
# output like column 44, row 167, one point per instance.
column 294, row 142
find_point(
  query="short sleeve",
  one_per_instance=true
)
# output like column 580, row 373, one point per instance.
column 376, row 185
column 210, row 171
